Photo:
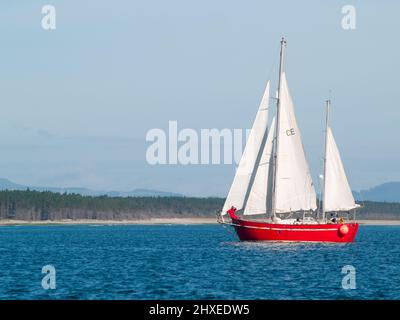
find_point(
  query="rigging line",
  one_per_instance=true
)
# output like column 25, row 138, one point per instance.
column 321, row 181
column 274, row 65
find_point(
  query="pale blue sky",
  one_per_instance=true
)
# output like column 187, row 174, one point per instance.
column 76, row 102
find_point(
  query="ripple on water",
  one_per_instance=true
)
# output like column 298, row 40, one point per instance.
column 192, row 262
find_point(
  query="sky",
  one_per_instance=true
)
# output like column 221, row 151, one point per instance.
column 77, row 102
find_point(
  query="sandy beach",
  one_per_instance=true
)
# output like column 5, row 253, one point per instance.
column 380, row 222
column 155, row 221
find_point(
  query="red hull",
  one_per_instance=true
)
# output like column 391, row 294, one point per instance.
column 261, row 231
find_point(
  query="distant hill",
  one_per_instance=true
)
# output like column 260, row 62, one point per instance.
column 9, row 185
column 387, row 192
column 6, row 184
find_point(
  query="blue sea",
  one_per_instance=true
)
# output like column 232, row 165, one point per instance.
column 192, row 262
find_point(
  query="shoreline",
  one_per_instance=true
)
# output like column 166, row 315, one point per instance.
column 156, row 221
column 151, row 221
column 374, row 222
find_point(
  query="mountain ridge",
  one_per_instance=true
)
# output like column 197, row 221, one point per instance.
column 385, row 192
column 6, row 184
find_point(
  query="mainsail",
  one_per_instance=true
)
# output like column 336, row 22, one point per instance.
column 280, row 182
column 337, row 192
column 260, row 200
column 238, row 191
column 294, row 189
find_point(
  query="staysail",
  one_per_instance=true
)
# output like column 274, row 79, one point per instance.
column 238, row 191
column 337, row 192
column 294, row 189
column 260, row 200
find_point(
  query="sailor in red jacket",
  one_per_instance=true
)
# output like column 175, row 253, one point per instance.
column 232, row 214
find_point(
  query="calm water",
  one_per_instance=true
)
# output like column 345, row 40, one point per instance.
column 191, row 262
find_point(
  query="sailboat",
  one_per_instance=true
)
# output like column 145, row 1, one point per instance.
column 272, row 196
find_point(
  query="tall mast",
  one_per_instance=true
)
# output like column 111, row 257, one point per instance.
column 277, row 127
column 328, row 105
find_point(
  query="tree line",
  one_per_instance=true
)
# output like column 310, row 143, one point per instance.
column 46, row 205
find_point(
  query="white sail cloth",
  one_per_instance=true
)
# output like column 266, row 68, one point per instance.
column 238, row 191
column 260, row 196
column 294, row 190
column 252, row 185
column 337, row 193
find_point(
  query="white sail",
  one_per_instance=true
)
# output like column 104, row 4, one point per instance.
column 337, row 193
column 237, row 193
column 259, row 200
column 294, row 188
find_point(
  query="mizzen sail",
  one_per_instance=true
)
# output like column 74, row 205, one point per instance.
column 337, row 192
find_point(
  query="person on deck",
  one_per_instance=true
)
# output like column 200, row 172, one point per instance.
column 232, row 214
